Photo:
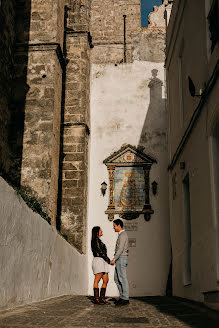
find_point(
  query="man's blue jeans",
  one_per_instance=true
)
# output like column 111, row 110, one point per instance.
column 120, row 277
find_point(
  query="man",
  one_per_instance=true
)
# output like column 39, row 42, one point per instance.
column 121, row 261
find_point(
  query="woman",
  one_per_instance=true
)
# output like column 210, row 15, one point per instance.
column 99, row 265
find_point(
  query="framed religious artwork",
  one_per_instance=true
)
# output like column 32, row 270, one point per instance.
column 129, row 173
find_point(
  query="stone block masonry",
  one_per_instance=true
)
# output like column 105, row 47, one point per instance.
column 72, row 197
column 75, row 140
column 39, row 65
column 107, row 29
column 78, row 17
column 74, row 187
column 44, row 19
column 40, row 160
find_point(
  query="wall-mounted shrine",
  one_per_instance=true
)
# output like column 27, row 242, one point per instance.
column 129, row 176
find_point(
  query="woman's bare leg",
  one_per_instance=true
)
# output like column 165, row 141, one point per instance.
column 97, row 278
column 105, row 278
column 103, row 289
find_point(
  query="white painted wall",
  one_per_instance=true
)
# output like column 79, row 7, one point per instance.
column 36, row 262
column 125, row 110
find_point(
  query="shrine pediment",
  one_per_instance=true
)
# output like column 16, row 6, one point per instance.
column 129, row 155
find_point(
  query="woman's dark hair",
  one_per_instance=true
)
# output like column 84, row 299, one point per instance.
column 118, row 222
column 94, row 236
column 95, row 233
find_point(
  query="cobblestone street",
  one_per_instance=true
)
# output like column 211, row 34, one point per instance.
column 79, row 311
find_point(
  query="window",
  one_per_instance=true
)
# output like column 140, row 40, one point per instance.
column 213, row 20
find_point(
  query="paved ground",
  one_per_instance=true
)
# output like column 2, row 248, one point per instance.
column 79, row 311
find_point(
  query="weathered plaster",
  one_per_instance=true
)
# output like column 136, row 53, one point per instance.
column 127, row 106
column 36, row 262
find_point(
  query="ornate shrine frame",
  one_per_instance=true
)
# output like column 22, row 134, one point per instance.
column 129, row 157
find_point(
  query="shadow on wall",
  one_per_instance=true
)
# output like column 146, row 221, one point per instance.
column 61, row 156
column 153, row 135
column 15, row 19
column 153, row 138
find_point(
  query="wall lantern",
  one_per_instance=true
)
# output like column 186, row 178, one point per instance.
column 192, row 89
column 103, row 188
column 154, row 187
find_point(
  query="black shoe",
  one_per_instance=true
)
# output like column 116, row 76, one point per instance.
column 122, row 302
column 118, row 301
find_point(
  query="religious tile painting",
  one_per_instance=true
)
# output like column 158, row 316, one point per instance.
column 129, row 183
column 129, row 188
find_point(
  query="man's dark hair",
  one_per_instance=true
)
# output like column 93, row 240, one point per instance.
column 118, row 222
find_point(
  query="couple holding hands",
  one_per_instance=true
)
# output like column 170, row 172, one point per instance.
column 101, row 261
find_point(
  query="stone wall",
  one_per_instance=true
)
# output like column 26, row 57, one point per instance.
column 107, row 29
column 36, row 262
column 40, row 159
column 75, row 126
column 154, row 38
column 39, row 21
column 78, row 17
column 38, row 66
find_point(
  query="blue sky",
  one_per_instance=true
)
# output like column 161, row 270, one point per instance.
column 146, row 8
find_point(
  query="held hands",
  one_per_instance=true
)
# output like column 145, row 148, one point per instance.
column 112, row 262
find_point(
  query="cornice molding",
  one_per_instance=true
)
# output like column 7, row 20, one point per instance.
column 43, row 46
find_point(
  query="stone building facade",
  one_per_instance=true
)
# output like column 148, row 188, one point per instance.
column 192, row 107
